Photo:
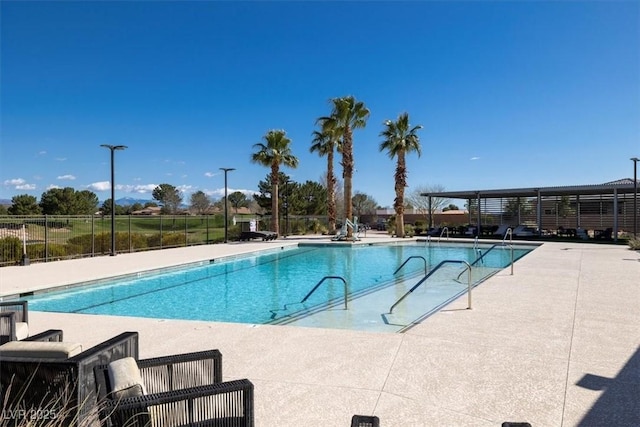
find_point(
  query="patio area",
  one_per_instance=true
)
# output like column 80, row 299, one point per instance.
column 555, row 344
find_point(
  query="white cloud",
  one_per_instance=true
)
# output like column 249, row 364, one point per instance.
column 219, row 192
column 26, row 187
column 15, row 181
column 139, row 189
column 60, row 159
column 42, row 153
column 100, row 186
column 52, row 186
column 67, row 177
column 211, row 174
column 475, row 158
column 19, row 184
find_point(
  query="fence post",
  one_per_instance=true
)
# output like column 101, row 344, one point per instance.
column 161, row 230
column 46, row 238
column 130, row 241
column 93, row 236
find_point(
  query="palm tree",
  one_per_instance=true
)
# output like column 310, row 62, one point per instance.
column 273, row 153
column 399, row 140
column 324, row 142
column 347, row 114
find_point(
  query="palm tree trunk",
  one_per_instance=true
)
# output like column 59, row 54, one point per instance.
column 347, row 165
column 331, row 194
column 401, row 179
column 275, row 225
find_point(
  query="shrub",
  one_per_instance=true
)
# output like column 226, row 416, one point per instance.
column 168, row 240
column 391, row 225
column 55, row 251
column 10, row 250
column 634, row 243
column 82, row 245
column 234, row 232
column 138, row 242
column 408, row 230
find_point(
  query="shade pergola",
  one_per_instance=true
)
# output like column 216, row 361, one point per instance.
column 596, row 206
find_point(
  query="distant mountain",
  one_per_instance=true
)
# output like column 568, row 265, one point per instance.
column 128, row 201
column 6, row 202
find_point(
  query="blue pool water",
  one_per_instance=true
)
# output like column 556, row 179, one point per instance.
column 255, row 288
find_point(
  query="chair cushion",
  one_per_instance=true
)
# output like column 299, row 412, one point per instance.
column 22, row 330
column 125, row 379
column 40, row 349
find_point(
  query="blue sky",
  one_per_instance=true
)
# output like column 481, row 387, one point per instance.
column 510, row 94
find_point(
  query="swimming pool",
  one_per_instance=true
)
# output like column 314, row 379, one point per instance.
column 267, row 287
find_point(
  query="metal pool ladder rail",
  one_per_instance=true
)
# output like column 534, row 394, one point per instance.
column 482, row 255
column 442, row 233
column 449, row 261
column 509, row 233
column 320, row 282
column 407, row 260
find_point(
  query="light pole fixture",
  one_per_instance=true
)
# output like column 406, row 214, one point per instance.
column 635, row 196
column 226, row 202
column 113, row 148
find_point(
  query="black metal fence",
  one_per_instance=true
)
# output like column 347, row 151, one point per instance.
column 49, row 238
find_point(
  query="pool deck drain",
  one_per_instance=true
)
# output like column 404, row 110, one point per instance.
column 556, row 344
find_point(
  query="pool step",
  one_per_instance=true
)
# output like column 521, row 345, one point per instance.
column 370, row 312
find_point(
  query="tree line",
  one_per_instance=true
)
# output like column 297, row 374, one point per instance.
column 333, row 136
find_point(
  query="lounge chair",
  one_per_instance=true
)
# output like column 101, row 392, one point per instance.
column 434, row 232
column 14, row 321
column 57, row 376
column 502, row 230
column 179, row 390
column 582, row 234
column 264, row 235
column 524, row 231
column 365, row 421
column 604, row 234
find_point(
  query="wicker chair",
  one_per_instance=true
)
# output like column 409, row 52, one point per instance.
column 365, row 421
column 64, row 386
column 178, row 390
column 14, row 320
column 51, row 335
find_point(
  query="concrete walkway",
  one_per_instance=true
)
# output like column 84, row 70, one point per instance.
column 556, row 344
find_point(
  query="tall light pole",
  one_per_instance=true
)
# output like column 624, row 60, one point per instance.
column 226, row 221
column 635, row 196
column 113, row 148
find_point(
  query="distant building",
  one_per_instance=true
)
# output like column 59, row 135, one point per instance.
column 151, row 210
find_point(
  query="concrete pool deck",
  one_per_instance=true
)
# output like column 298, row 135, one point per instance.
column 555, row 344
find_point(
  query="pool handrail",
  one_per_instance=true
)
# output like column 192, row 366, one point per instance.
column 321, row 281
column 468, row 267
column 407, row 260
column 509, row 233
column 442, row 233
column 482, row 255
